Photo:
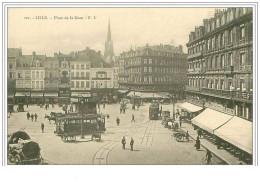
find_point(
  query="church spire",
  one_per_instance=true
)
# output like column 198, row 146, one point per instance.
column 109, row 51
column 109, row 31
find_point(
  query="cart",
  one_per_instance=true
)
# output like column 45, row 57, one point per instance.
column 180, row 136
column 96, row 135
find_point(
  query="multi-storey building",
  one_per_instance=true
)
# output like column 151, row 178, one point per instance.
column 102, row 82
column 13, row 55
column 64, row 80
column 154, row 68
column 116, row 73
column 51, row 79
column 220, row 62
column 80, row 79
column 37, row 77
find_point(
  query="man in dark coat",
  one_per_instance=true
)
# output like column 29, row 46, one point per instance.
column 132, row 144
column 208, row 156
column 123, row 142
column 133, row 118
column 32, row 116
column 117, row 121
column 42, row 127
column 28, row 115
column 35, row 116
column 197, row 143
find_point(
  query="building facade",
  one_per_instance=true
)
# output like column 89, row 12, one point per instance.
column 220, row 60
column 153, row 68
column 102, row 82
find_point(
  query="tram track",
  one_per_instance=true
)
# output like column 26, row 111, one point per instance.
column 101, row 155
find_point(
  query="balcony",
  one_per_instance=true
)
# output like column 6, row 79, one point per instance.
column 198, row 54
column 246, row 68
column 216, row 92
column 190, row 88
column 242, row 95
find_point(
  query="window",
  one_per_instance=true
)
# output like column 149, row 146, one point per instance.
column 87, row 75
column 77, row 74
column 27, row 74
column 92, row 84
column 72, row 74
column 10, row 65
column 150, row 79
column 82, row 66
column 222, row 84
column 145, row 61
column 222, row 40
column 33, row 74
column 42, row 74
column 82, row 74
column 72, row 66
column 20, row 75
column 242, row 32
column 150, row 69
column 150, row 61
column 145, row 69
column 37, row 85
column 77, row 84
column 82, row 84
column 242, row 59
column 250, row 29
column 230, row 59
column 77, row 66
column 37, row 74
column 145, row 79
column 222, row 61
column 87, row 84
column 230, row 37
column 72, row 84
column 10, row 75
column 33, row 84
column 41, row 87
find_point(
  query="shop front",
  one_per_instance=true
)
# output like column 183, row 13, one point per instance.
column 37, row 98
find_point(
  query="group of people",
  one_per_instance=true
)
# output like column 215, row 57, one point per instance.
column 131, row 143
column 32, row 116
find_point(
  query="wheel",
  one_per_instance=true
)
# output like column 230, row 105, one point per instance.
column 179, row 137
column 11, row 158
column 17, row 159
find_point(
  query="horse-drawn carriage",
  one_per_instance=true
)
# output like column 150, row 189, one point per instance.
column 181, row 136
column 53, row 116
column 20, row 107
column 22, row 150
column 71, row 125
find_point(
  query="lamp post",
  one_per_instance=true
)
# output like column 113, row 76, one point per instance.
column 173, row 105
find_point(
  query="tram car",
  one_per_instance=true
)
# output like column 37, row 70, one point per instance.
column 71, row 125
column 154, row 111
column 22, row 150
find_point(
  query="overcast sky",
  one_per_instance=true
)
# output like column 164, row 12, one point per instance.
column 129, row 26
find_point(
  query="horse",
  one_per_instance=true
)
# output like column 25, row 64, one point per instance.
column 50, row 118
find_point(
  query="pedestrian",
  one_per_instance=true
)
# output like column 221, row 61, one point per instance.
column 104, row 105
column 46, row 106
column 35, row 116
column 197, row 143
column 208, row 156
column 32, row 116
column 132, row 144
column 117, row 121
column 199, row 133
column 108, row 116
column 28, row 115
column 42, row 127
column 180, row 119
column 120, row 110
column 123, row 142
column 187, row 136
column 161, row 108
column 98, row 106
column 124, row 110
column 52, row 105
column 133, row 118
column 27, row 104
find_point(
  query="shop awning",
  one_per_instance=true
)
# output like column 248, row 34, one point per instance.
column 51, row 94
column 80, row 94
column 210, row 120
column 150, row 95
column 163, row 94
column 238, row 132
column 36, row 94
column 122, row 91
column 22, row 94
column 132, row 93
column 190, row 107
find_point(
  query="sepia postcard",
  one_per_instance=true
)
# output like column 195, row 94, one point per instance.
column 129, row 85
